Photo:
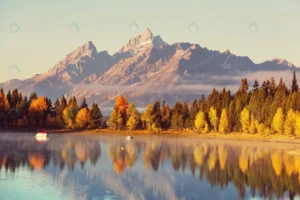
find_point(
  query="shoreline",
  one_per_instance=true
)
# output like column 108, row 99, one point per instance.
column 234, row 136
column 276, row 138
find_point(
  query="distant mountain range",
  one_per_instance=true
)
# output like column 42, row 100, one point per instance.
column 145, row 69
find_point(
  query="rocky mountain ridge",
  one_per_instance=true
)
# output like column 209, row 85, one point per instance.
column 145, row 69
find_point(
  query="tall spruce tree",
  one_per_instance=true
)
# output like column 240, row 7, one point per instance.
column 156, row 114
column 95, row 116
column 255, row 85
column 177, row 116
column 294, row 83
column 84, row 104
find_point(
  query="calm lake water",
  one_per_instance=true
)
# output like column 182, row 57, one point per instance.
column 76, row 167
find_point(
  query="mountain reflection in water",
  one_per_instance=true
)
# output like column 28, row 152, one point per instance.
column 109, row 167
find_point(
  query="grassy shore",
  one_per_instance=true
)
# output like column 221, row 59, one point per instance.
column 170, row 133
column 174, row 133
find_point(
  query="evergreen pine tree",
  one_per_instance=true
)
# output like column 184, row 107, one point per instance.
column 63, row 103
column 84, row 104
column 255, row 86
column 95, row 116
column 114, row 120
column 244, row 86
column 166, row 117
column 156, row 114
column 294, row 83
column 177, row 116
column 203, row 104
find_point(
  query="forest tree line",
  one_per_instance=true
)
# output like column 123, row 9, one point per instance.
column 34, row 112
column 265, row 109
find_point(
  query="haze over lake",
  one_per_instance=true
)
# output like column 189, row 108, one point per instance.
column 70, row 166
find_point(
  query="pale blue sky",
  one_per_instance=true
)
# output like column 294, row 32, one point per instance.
column 44, row 37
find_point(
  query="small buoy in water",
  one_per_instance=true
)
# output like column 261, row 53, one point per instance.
column 129, row 137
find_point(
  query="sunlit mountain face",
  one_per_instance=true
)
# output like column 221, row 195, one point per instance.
column 109, row 167
column 145, row 69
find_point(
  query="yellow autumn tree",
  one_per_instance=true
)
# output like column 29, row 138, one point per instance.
column 289, row 124
column 224, row 124
column 206, row 128
column 113, row 120
column 133, row 120
column 261, row 129
column 278, row 121
column 68, row 117
column 82, row 118
column 297, row 125
column 245, row 120
column 253, row 125
column 200, row 121
column 147, row 117
column 213, row 118
column 133, row 117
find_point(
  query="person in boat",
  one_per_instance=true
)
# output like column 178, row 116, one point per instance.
column 43, row 131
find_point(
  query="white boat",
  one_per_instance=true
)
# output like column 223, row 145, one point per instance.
column 129, row 137
column 42, row 134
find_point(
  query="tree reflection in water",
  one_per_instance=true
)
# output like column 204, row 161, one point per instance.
column 265, row 171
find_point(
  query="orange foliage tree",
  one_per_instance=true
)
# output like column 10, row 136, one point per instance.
column 36, row 110
column 121, row 106
column 4, row 106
